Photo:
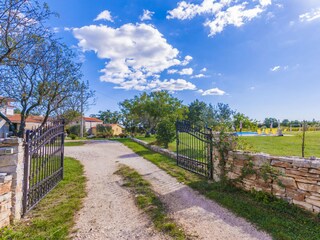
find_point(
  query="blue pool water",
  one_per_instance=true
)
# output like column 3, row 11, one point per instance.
column 246, row 134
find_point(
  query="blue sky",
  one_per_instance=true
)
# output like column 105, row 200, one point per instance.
column 261, row 57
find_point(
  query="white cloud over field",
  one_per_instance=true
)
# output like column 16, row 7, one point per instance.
column 220, row 13
column 135, row 54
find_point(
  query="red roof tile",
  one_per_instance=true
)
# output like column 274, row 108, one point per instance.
column 16, row 118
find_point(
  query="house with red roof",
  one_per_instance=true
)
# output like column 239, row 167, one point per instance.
column 7, row 109
column 89, row 123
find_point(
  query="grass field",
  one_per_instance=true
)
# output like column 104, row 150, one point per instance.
column 289, row 145
column 286, row 145
column 53, row 217
column 277, row 217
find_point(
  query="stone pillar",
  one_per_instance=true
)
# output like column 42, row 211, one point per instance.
column 12, row 163
column 5, row 199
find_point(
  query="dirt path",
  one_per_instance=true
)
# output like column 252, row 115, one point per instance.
column 109, row 211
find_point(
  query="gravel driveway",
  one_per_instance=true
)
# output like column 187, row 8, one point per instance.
column 109, row 211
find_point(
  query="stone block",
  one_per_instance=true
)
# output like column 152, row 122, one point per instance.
column 278, row 190
column 8, row 169
column 4, row 215
column 306, row 180
column 316, row 209
column 315, row 164
column 304, row 205
column 309, row 187
column 5, row 188
column 5, row 197
column 5, row 222
column 313, row 202
column 8, row 160
column 231, row 175
column 12, row 140
column 315, row 171
column 261, row 159
column 302, row 163
column 303, row 169
column 296, row 194
column 5, row 206
column 4, row 179
column 282, row 164
column 293, row 173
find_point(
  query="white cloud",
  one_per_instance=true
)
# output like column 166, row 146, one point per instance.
column 67, row 29
column 172, row 71
column 314, row 14
column 56, row 29
column 223, row 12
column 135, row 54
column 279, row 68
column 186, row 71
column 252, row 88
column 105, row 15
column 186, row 60
column 171, row 85
column 203, row 70
column 199, row 76
column 275, row 68
column 146, row 15
column 213, row 91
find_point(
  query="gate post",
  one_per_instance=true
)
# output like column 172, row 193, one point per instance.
column 11, row 163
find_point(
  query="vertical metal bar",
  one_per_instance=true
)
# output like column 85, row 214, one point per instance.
column 62, row 149
column 26, row 173
column 211, row 153
column 177, row 141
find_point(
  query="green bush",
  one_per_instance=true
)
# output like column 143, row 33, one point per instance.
column 73, row 136
column 122, row 135
column 104, row 131
column 75, row 129
column 166, row 132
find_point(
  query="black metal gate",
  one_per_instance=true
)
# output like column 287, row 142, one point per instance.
column 194, row 149
column 43, row 169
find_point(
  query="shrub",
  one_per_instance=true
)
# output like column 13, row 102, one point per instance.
column 75, row 129
column 122, row 135
column 73, row 136
column 166, row 132
column 104, row 131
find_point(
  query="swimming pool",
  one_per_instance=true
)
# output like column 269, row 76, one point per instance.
column 246, row 134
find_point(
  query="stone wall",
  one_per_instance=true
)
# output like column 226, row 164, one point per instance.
column 5, row 199
column 155, row 148
column 12, row 167
column 294, row 179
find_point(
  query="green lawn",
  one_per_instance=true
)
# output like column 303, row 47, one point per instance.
column 279, row 146
column 286, row 145
column 280, row 219
column 74, row 144
column 53, row 217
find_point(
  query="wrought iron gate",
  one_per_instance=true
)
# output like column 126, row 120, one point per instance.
column 44, row 154
column 194, row 149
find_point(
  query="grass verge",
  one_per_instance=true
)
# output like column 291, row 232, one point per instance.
column 74, row 144
column 53, row 217
column 277, row 217
column 148, row 201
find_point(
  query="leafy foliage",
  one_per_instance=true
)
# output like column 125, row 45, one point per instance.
column 147, row 110
column 166, row 132
column 104, row 131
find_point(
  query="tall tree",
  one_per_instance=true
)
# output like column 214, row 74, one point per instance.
column 108, row 116
column 21, row 28
column 197, row 113
column 45, row 84
column 147, row 110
